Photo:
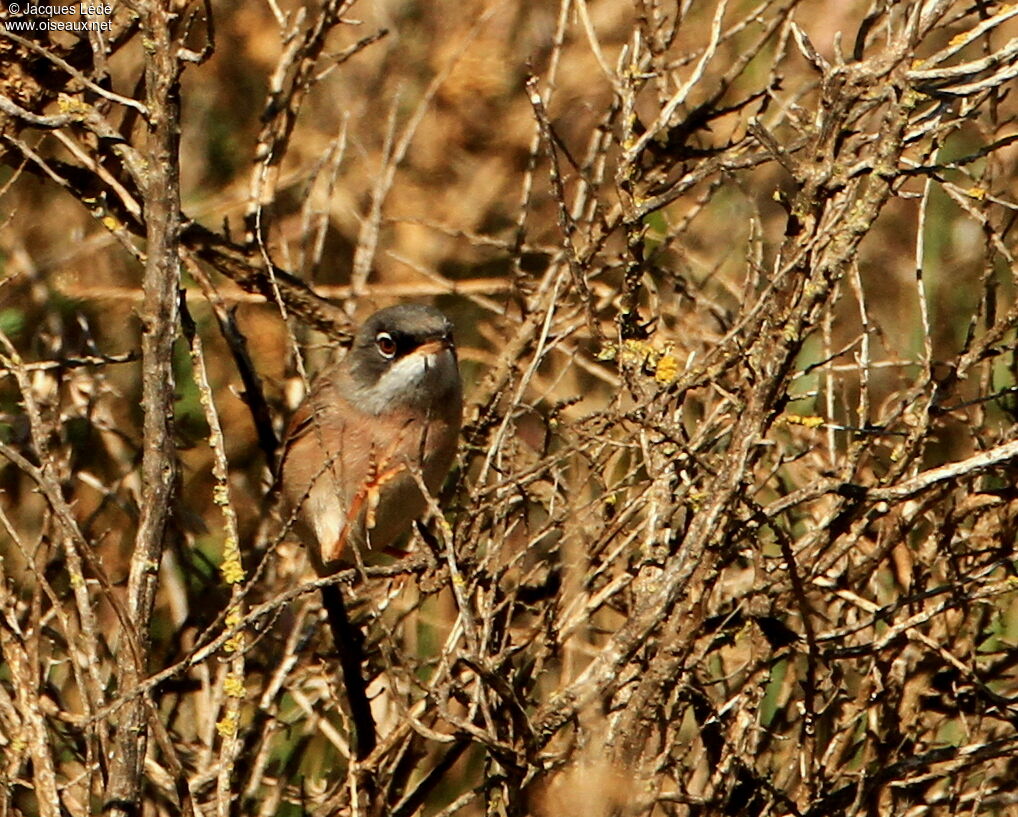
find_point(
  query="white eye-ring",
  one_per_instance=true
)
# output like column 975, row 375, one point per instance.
column 386, row 345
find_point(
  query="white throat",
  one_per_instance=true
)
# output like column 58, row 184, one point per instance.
column 418, row 380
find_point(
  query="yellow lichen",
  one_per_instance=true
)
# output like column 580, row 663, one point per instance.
column 667, row 369
column 233, row 685
column 808, row 421
column 232, row 569
column 227, row 727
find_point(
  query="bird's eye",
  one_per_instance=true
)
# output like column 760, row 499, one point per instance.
column 386, row 345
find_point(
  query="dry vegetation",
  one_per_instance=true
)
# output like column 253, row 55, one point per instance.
column 733, row 526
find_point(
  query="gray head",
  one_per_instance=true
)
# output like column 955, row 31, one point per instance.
column 404, row 356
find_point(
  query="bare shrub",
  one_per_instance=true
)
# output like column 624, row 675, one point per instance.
column 732, row 528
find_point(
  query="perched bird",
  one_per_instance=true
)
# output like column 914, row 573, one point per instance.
column 372, row 428
column 390, row 407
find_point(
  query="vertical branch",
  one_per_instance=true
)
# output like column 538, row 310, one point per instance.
column 231, row 568
column 566, row 223
column 32, row 736
column 922, row 295
column 159, row 322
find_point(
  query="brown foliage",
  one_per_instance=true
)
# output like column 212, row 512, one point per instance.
column 733, row 526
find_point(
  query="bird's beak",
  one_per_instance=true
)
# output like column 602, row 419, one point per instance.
column 433, row 347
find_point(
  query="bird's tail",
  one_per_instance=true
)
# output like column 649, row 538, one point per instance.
column 349, row 643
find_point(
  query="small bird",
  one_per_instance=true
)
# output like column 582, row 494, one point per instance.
column 393, row 405
column 371, row 429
